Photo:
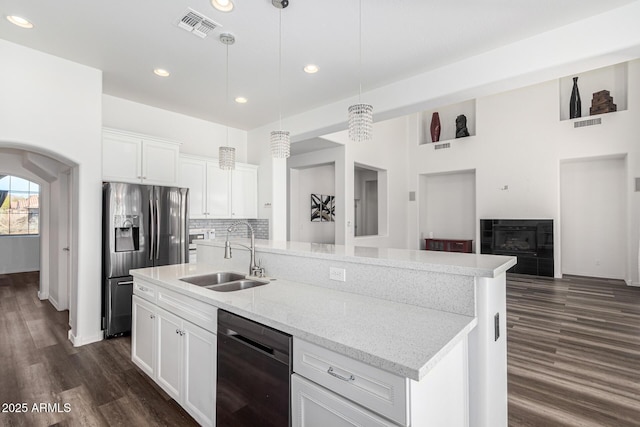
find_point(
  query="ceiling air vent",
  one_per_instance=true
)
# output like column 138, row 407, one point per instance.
column 196, row 23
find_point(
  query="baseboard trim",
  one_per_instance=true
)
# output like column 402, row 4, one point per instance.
column 79, row 341
column 43, row 296
column 632, row 283
column 54, row 303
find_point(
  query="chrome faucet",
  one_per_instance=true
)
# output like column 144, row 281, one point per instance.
column 254, row 269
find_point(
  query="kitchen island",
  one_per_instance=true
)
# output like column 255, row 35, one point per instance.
column 413, row 314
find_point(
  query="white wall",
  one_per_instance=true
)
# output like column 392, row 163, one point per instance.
column 386, row 152
column 447, row 206
column 520, row 143
column 19, row 254
column 336, row 157
column 198, row 137
column 593, row 202
column 53, row 106
column 303, row 183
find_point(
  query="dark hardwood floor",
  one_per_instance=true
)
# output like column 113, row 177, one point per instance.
column 98, row 382
column 573, row 352
column 573, row 360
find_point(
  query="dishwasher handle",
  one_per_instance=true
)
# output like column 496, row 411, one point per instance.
column 266, row 350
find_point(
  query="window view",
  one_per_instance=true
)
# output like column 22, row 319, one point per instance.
column 19, row 206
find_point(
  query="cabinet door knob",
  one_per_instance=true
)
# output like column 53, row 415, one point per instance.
column 177, row 331
column 151, row 316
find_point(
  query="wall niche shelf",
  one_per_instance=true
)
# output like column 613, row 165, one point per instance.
column 612, row 78
column 448, row 116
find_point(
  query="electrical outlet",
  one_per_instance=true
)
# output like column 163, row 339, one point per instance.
column 338, row 274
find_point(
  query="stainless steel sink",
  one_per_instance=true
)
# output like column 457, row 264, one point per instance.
column 213, row 278
column 237, row 285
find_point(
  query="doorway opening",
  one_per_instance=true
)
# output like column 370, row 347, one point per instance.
column 38, row 209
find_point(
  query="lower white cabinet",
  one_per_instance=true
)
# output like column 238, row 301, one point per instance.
column 143, row 335
column 315, row 406
column 179, row 355
column 330, row 389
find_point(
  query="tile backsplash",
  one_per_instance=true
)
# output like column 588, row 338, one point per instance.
column 260, row 227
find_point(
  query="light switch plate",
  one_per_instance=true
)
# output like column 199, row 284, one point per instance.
column 338, row 274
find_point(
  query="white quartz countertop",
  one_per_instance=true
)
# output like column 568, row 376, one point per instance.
column 403, row 339
column 439, row 262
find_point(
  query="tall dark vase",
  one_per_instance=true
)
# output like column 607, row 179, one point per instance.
column 435, row 127
column 575, row 105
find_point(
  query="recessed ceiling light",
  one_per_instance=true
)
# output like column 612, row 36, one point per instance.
column 19, row 21
column 161, row 72
column 311, row 69
column 222, row 5
column 241, row 100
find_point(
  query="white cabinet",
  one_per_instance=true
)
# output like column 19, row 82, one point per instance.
column 179, row 355
column 169, row 353
column 315, row 406
column 129, row 157
column 143, row 335
column 330, row 389
column 217, row 193
column 244, row 191
column 193, row 175
column 198, row 387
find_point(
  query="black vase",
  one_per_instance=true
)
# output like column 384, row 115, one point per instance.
column 575, row 105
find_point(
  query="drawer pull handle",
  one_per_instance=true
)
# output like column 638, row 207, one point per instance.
column 331, row 372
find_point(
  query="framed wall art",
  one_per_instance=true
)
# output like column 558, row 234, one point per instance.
column 322, row 208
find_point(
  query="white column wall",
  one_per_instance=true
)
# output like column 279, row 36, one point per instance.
column 53, row 106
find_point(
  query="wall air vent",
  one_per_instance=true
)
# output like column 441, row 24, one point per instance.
column 441, row 146
column 196, row 23
column 590, row 122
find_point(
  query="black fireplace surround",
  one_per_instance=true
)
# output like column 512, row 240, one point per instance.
column 531, row 240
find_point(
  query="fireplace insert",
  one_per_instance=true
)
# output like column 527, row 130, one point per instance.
column 531, row 240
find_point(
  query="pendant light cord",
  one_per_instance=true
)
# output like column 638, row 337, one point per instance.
column 360, row 51
column 227, row 94
column 280, row 67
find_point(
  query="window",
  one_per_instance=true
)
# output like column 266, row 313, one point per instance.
column 19, row 206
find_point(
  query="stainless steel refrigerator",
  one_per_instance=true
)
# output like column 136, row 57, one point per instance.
column 143, row 226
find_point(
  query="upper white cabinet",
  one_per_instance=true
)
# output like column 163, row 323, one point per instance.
column 244, row 191
column 216, row 193
column 129, row 157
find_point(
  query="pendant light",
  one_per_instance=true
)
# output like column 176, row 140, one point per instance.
column 360, row 115
column 280, row 139
column 227, row 154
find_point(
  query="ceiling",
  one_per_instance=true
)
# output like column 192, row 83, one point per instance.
column 400, row 38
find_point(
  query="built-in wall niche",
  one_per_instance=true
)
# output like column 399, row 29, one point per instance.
column 447, row 115
column 447, row 206
column 370, row 201
column 612, row 79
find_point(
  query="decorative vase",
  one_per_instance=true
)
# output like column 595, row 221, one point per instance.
column 575, row 105
column 435, row 127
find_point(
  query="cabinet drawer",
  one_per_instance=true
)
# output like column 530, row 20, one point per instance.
column 371, row 387
column 145, row 290
column 312, row 405
column 197, row 312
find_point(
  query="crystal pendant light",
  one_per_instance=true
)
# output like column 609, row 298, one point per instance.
column 280, row 139
column 360, row 115
column 227, row 154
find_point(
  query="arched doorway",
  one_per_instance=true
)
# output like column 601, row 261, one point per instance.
column 54, row 176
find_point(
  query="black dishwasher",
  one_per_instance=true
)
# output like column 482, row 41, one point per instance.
column 254, row 374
